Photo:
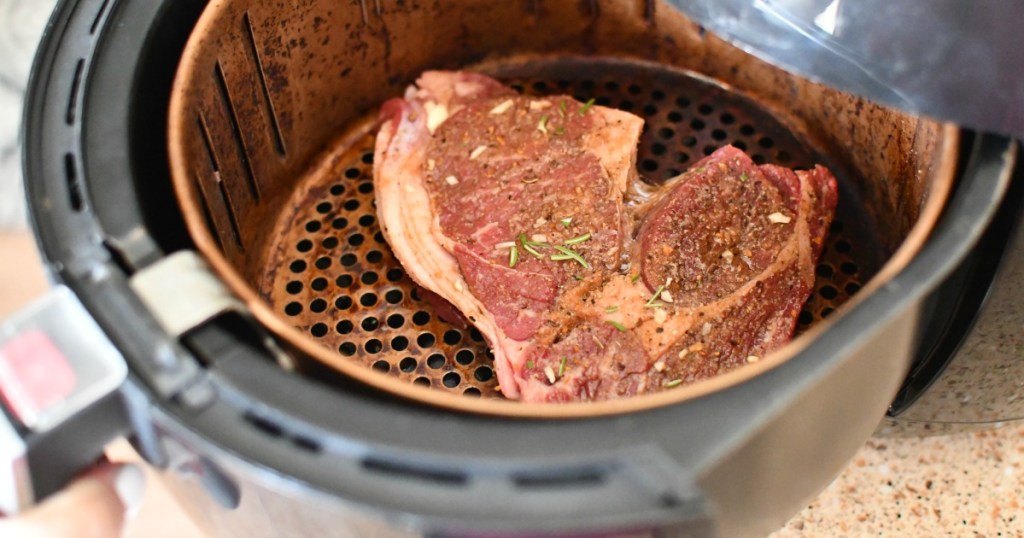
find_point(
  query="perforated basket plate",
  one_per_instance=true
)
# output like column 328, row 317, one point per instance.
column 338, row 281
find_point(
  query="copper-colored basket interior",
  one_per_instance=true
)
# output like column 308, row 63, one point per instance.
column 271, row 149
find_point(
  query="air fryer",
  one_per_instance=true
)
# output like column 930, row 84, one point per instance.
column 190, row 165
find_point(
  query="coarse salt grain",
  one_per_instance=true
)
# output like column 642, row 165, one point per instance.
column 451, row 180
column 660, row 315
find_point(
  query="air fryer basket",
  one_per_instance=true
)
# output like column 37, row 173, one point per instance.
column 271, row 136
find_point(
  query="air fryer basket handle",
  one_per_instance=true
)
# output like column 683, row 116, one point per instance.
column 60, row 383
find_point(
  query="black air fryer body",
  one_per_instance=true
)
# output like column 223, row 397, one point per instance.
column 252, row 449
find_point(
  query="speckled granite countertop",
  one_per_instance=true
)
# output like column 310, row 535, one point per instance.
column 954, row 484
column 950, row 484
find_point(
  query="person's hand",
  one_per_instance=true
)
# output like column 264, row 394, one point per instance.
column 93, row 506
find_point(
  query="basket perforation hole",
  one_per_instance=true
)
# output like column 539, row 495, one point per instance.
column 344, row 327
column 322, row 263
column 294, row 287
column 727, row 119
column 435, row 361
column 666, row 133
column 318, row 330
column 708, row 149
column 758, row 159
column 313, row 226
column 658, row 148
column 407, row 364
column 705, row 109
column 324, row 207
column 348, row 260
column 367, row 158
column 851, row 288
column 649, row 165
column 304, row 246
column 330, row 242
column 379, row 237
column 682, row 157
column 682, row 101
column 805, row 318
column 395, row 274
column 369, row 278
column 297, row 266
column 422, row 381
column 483, row 374
column 848, row 268
column 318, row 284
column 611, row 86
column 452, row 337
column 746, row 129
column 366, row 220
column 464, row 357
column 650, row 110
column 370, row 324
column 293, row 308
column 395, row 321
column 382, row 366
column 393, row 296
column 347, row 349
column 356, row 239
column 451, row 379
column 366, row 188
column 826, row 311
column 697, row 124
column 343, row 302
column 352, row 173
column 399, row 343
column 421, row 318
column 426, row 340
column 351, row 204
column 344, row 281
column 740, row 145
column 374, row 256
column 368, row 299
column 627, row 105
column 373, row 346
column 318, row 305
column 828, row 292
column 472, row 392
column 690, row 141
column 719, row 135
column 339, row 223
column 766, row 143
column 675, row 116
column 842, row 246
column 824, row 271
column 337, row 190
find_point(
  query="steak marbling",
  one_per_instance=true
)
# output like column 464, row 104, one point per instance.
column 523, row 213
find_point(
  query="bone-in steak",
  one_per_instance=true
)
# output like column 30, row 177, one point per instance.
column 520, row 212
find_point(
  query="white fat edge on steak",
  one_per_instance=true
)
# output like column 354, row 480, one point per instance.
column 404, row 206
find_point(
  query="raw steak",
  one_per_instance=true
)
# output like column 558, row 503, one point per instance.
column 525, row 214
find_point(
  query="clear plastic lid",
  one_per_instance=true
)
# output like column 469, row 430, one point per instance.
column 955, row 60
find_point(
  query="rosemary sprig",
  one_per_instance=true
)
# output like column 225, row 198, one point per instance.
column 568, row 254
column 578, row 240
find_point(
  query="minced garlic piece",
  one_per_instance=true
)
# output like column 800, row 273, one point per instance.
column 451, row 180
column 659, row 366
column 503, row 107
column 539, row 105
column 477, row 152
column 539, row 238
column 705, row 329
column 431, row 163
column 458, row 286
column 666, row 296
column 727, row 256
column 683, row 353
column 753, row 358
column 778, row 218
column 550, row 372
column 660, row 315
column 697, row 347
column 436, row 114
